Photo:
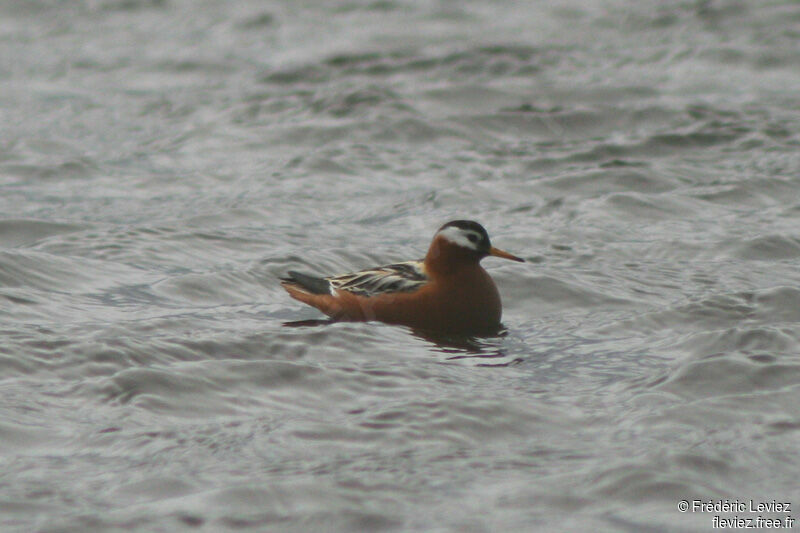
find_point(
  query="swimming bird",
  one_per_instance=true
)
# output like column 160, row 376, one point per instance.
column 447, row 291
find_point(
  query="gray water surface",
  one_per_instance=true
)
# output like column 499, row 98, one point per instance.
column 164, row 162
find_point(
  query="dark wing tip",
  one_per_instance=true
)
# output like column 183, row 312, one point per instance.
column 312, row 284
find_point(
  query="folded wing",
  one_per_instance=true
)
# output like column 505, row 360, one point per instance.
column 399, row 277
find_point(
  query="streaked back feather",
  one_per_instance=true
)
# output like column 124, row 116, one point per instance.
column 398, row 277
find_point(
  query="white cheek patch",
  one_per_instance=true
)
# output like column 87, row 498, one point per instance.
column 458, row 236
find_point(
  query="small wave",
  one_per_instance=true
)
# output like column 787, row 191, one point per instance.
column 611, row 180
column 725, row 374
column 560, row 294
column 210, row 289
column 25, row 232
column 26, row 268
column 476, row 62
column 768, row 248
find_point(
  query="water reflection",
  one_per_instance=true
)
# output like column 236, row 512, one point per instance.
column 481, row 350
column 308, row 323
column 487, row 350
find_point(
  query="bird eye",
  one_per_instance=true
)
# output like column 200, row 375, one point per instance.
column 472, row 237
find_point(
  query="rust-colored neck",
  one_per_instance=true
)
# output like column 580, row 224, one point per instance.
column 445, row 258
